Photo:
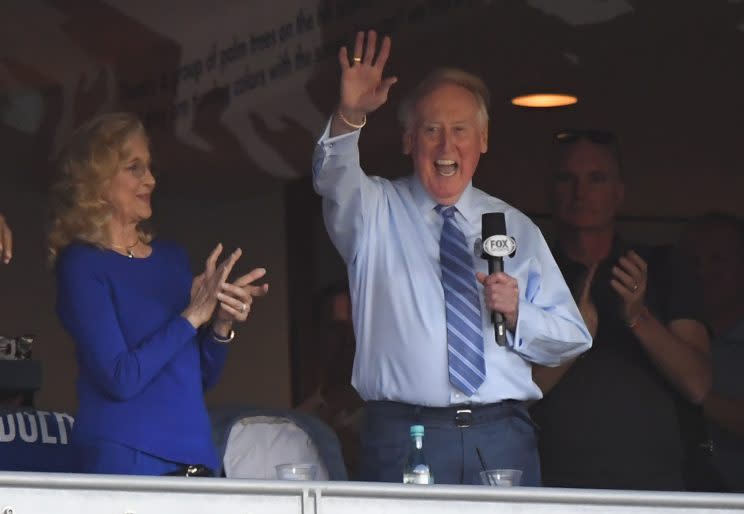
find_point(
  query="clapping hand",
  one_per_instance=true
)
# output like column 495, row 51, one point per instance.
column 585, row 304
column 236, row 299
column 6, row 241
column 629, row 282
column 207, row 285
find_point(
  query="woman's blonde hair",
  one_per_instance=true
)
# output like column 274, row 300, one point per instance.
column 86, row 165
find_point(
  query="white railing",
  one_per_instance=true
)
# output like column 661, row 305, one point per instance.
column 32, row 493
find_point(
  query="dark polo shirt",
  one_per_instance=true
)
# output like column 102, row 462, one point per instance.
column 612, row 421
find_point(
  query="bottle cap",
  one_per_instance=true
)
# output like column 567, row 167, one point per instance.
column 417, row 430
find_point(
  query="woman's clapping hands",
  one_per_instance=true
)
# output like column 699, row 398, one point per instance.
column 205, row 287
column 211, row 288
column 236, row 299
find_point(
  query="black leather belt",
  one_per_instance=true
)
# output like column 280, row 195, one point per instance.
column 461, row 416
column 191, row 470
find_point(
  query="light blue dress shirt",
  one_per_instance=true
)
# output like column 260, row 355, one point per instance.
column 388, row 234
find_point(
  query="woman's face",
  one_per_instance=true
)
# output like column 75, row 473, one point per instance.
column 130, row 188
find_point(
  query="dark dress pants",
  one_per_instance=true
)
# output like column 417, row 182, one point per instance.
column 503, row 432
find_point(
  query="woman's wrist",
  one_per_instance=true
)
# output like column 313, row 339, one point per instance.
column 220, row 339
column 222, row 328
column 191, row 318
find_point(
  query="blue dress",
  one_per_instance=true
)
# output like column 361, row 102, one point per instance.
column 143, row 368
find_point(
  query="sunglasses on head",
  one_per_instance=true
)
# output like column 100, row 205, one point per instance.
column 600, row 137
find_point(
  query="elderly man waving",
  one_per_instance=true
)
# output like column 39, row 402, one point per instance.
column 421, row 304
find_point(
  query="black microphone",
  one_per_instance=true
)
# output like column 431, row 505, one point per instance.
column 496, row 245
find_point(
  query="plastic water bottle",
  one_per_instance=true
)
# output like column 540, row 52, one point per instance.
column 416, row 469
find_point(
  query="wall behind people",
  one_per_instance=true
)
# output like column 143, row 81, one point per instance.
column 257, row 369
column 606, row 52
column 677, row 168
column 669, row 188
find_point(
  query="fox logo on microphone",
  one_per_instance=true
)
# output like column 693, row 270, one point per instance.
column 499, row 245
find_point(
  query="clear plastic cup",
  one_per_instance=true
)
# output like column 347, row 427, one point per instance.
column 501, row 477
column 296, row 471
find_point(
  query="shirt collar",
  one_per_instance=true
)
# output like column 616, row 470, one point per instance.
column 425, row 203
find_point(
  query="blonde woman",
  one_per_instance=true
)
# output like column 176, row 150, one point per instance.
column 150, row 338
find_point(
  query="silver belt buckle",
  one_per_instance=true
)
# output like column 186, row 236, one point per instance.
column 464, row 418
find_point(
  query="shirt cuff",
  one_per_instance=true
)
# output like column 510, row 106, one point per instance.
column 549, row 345
column 530, row 318
column 338, row 145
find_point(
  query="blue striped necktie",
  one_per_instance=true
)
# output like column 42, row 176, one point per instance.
column 467, row 366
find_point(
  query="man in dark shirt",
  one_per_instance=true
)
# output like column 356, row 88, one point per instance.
column 720, row 261
column 609, row 419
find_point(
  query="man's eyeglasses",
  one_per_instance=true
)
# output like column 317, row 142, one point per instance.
column 599, row 137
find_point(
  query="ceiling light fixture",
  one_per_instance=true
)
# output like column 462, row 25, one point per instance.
column 544, row 100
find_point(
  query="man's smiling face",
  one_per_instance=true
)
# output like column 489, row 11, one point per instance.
column 445, row 140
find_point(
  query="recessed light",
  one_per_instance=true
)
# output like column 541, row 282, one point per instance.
column 544, row 100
